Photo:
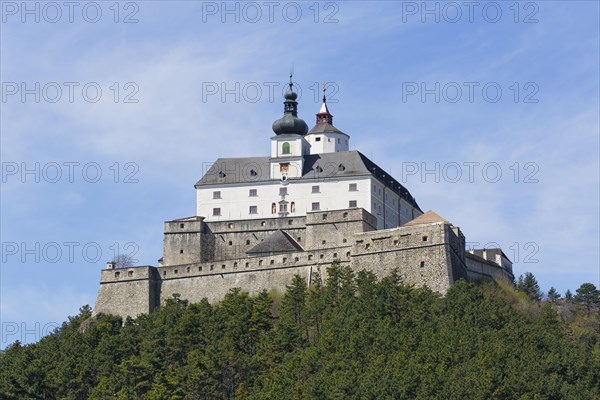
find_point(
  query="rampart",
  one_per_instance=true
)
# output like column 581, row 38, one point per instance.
column 205, row 260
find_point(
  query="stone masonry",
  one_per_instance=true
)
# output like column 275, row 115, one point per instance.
column 206, row 259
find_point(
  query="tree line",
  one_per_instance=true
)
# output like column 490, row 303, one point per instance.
column 349, row 336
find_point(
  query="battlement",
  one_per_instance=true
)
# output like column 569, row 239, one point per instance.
column 128, row 291
column 206, row 259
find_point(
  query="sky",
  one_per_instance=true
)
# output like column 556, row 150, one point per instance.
column 488, row 112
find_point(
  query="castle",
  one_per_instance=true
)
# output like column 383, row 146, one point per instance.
column 261, row 220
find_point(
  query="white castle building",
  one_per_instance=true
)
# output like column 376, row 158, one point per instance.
column 261, row 220
column 307, row 171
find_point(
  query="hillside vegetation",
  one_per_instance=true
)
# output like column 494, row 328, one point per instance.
column 351, row 337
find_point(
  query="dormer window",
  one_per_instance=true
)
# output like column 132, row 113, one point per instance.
column 285, row 148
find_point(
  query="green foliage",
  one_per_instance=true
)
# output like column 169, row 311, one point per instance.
column 587, row 294
column 553, row 295
column 529, row 285
column 348, row 336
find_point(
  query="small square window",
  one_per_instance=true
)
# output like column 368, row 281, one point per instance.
column 283, row 191
column 253, row 193
column 230, row 243
column 247, row 242
column 352, row 203
column 283, row 208
column 253, row 210
column 352, row 187
column 317, row 139
column 315, row 189
column 216, row 212
column 316, row 206
column 424, row 238
column 217, row 195
column 181, row 226
column 422, row 264
column 181, row 251
column 284, row 168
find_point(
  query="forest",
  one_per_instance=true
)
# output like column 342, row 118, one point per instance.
column 349, row 336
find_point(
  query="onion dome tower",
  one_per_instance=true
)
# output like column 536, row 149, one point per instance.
column 288, row 146
column 290, row 123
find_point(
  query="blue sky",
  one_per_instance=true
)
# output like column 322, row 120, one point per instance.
column 403, row 74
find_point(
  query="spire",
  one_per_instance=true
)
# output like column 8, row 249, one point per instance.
column 324, row 117
column 290, row 123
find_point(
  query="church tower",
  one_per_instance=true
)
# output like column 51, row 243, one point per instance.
column 324, row 137
column 288, row 146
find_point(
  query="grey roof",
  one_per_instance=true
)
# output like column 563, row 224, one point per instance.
column 322, row 128
column 278, row 242
column 316, row 167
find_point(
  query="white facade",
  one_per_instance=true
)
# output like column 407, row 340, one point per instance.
column 390, row 209
column 297, row 197
column 327, row 142
column 294, row 184
column 231, row 202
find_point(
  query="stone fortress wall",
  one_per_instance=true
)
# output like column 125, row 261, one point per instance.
column 206, row 259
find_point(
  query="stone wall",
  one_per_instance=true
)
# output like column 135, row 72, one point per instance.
column 422, row 254
column 479, row 268
column 214, row 258
column 328, row 229
column 127, row 291
column 183, row 241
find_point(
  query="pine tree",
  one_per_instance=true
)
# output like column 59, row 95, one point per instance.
column 529, row 286
column 587, row 294
column 553, row 295
column 568, row 295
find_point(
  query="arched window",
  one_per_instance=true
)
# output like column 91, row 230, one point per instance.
column 273, row 208
column 293, row 206
column 285, row 148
